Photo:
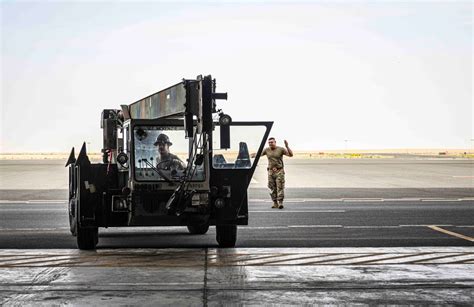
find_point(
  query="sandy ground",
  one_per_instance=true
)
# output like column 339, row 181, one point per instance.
column 319, row 154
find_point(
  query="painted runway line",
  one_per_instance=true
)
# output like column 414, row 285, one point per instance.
column 451, row 233
column 235, row 257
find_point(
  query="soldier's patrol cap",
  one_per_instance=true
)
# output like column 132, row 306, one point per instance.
column 163, row 139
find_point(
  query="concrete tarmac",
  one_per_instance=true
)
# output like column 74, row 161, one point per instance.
column 354, row 222
column 215, row 277
column 309, row 173
column 354, row 232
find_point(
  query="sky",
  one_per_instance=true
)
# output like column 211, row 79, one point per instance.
column 331, row 75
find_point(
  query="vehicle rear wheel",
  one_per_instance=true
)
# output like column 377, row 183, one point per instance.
column 72, row 218
column 198, row 229
column 72, row 225
column 226, row 235
column 87, row 238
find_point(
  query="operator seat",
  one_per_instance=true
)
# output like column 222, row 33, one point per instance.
column 243, row 159
column 219, row 161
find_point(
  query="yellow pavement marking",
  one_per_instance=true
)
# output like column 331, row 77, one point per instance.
column 391, row 258
column 467, row 261
column 440, row 257
column 290, row 260
column 339, row 259
column 184, row 259
column 454, row 234
column 228, row 259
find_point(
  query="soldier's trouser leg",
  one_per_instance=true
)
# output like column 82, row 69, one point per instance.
column 272, row 185
column 280, row 185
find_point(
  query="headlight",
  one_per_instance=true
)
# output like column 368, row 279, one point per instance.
column 122, row 158
column 224, row 119
column 119, row 204
column 219, row 203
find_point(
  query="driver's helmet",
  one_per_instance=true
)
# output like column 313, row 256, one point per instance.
column 163, row 139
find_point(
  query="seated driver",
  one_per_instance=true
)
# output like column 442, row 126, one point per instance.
column 167, row 160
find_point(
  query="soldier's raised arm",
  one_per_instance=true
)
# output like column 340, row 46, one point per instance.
column 288, row 151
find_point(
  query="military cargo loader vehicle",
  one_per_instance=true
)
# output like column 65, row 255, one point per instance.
column 170, row 159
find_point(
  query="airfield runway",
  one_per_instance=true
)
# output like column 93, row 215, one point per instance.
column 353, row 231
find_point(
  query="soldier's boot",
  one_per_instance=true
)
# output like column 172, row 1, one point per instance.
column 280, row 205
column 275, row 205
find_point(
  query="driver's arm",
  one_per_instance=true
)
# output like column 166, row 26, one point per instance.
column 179, row 163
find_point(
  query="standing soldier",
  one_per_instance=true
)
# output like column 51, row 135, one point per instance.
column 276, row 172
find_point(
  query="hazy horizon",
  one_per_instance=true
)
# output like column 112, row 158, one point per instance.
column 297, row 151
column 365, row 75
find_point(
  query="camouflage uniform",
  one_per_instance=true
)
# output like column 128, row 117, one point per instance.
column 276, row 184
column 276, row 173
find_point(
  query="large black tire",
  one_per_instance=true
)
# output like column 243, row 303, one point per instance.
column 87, row 238
column 72, row 218
column 198, row 229
column 73, row 225
column 226, row 235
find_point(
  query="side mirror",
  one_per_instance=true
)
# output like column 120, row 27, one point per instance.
column 225, row 120
column 225, row 137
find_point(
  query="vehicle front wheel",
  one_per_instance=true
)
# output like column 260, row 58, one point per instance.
column 198, row 229
column 226, row 235
column 87, row 238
